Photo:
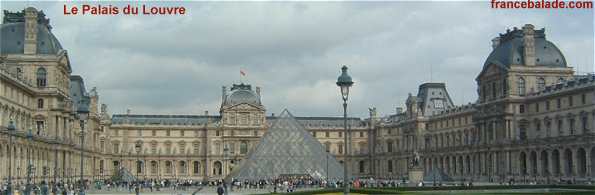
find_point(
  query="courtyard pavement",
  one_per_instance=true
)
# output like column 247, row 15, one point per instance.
column 194, row 190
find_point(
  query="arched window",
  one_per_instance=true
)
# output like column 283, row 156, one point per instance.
column 340, row 148
column 540, row 83
column 153, row 167
column 168, row 167
column 41, row 77
column 521, row 86
column 40, row 103
column 182, row 168
column 243, row 147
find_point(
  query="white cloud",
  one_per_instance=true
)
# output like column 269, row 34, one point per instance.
column 177, row 64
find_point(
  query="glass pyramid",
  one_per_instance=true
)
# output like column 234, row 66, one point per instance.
column 287, row 149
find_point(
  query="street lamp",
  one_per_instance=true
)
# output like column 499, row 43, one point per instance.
column 137, row 146
column 344, row 82
column 11, row 129
column 327, row 154
column 82, row 114
column 225, row 150
column 29, row 165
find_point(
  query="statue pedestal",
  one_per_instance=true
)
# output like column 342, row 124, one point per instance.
column 416, row 175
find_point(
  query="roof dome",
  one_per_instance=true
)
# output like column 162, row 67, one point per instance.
column 12, row 35
column 508, row 50
column 243, row 96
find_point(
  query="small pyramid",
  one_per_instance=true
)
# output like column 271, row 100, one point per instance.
column 288, row 149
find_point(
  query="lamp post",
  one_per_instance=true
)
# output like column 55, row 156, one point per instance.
column 327, row 154
column 11, row 128
column 137, row 146
column 82, row 114
column 29, row 165
column 344, row 82
column 225, row 149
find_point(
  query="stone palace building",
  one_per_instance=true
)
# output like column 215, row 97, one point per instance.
column 534, row 119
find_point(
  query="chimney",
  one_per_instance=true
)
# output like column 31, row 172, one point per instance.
column 258, row 91
column 223, row 93
column 399, row 110
column 30, row 31
column 529, row 44
column 495, row 42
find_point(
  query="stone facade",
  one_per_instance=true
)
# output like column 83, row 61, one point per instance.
column 39, row 94
column 208, row 147
column 534, row 121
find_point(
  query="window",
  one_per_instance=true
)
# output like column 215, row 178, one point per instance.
column 504, row 87
column 153, row 167
column 570, row 100
column 167, row 133
column 537, row 125
column 340, row 134
column 548, row 128
column 571, row 126
column 41, row 77
column 327, row 145
column 389, row 147
column 560, row 127
column 243, row 147
column 547, row 105
column 217, row 133
column 255, row 133
column 182, row 133
column 521, row 86
column 540, row 83
column 154, row 133
column 313, row 133
column 522, row 108
column 558, row 103
column 585, row 124
column 39, row 126
column 390, row 166
column 361, row 134
column 196, row 167
column 168, row 167
column 139, row 166
column 326, row 134
column 340, row 148
column 583, row 98
column 493, row 90
column 362, row 166
column 537, row 107
column 40, row 103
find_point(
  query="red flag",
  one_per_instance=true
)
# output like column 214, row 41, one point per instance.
column 242, row 73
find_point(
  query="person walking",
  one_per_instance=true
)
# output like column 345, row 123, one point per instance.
column 220, row 190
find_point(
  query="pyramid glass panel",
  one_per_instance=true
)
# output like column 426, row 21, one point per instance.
column 287, row 149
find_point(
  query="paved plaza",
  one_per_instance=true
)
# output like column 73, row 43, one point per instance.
column 191, row 190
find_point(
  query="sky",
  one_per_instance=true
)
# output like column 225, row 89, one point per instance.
column 294, row 51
